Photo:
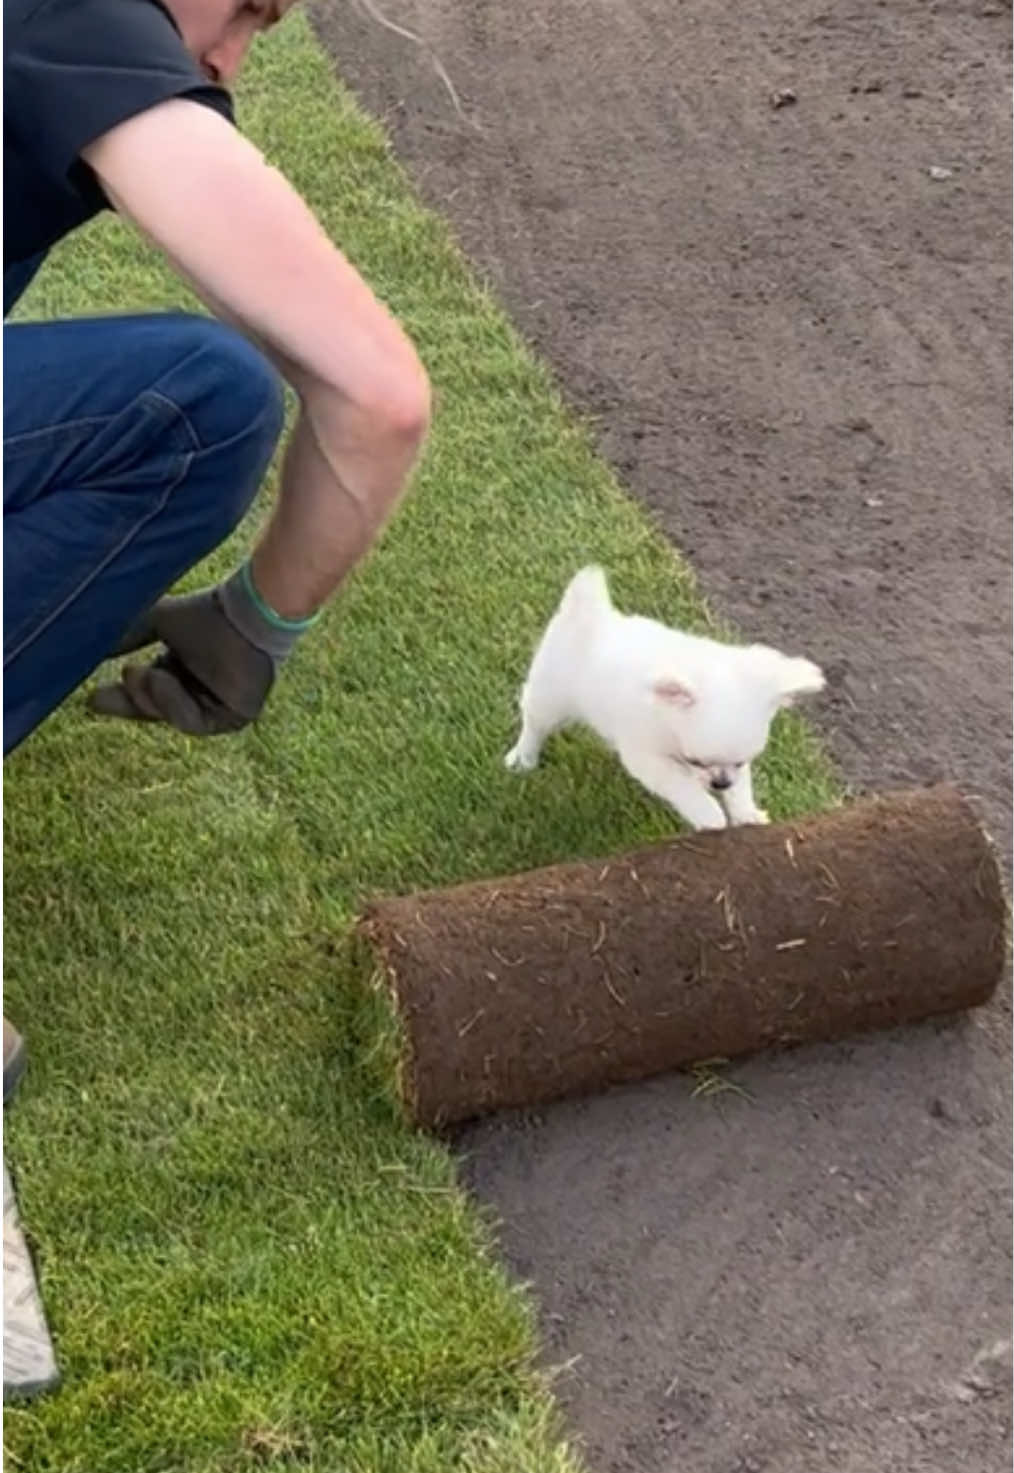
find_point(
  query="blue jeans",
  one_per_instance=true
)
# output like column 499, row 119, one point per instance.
column 133, row 446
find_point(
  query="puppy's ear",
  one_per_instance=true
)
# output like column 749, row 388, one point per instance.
column 798, row 677
column 789, row 676
column 673, row 691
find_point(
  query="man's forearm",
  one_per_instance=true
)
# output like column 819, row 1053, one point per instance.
column 344, row 472
column 342, row 478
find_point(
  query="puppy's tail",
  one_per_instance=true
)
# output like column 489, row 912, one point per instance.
column 585, row 598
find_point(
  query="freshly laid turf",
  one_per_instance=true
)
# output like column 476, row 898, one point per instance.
column 248, row 1262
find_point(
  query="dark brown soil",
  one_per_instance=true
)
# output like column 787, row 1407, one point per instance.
column 795, row 343
column 531, row 988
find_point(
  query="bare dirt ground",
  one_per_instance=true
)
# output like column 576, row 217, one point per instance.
column 795, row 342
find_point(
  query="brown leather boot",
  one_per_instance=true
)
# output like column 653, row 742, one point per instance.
column 14, row 1059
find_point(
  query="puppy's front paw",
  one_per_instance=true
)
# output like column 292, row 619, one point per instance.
column 520, row 759
column 752, row 815
column 707, row 823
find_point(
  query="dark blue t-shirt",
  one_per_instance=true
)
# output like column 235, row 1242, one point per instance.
column 73, row 69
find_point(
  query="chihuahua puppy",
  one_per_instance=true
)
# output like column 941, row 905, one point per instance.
column 685, row 715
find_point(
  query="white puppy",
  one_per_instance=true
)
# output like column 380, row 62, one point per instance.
column 686, row 715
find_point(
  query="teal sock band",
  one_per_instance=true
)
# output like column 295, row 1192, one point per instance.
column 287, row 626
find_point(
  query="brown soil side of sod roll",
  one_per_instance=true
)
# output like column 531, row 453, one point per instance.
column 568, row 979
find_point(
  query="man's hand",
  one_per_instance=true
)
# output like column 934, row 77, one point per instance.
column 209, row 679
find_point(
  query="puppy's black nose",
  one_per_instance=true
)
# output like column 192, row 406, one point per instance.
column 721, row 781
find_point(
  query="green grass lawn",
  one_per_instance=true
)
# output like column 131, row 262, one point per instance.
column 248, row 1261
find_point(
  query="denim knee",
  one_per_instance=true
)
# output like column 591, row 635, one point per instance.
column 234, row 404
column 234, row 390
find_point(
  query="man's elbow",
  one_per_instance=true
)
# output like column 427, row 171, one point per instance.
column 385, row 412
column 403, row 407
column 395, row 397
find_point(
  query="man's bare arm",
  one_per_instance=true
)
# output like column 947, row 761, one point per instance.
column 251, row 248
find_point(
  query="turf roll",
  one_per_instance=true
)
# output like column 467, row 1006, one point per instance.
column 568, row 979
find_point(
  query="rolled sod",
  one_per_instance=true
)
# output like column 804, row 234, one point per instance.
column 569, row 979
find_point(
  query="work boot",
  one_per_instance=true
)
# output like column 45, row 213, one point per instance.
column 14, row 1059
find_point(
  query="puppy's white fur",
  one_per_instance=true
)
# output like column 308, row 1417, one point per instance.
column 686, row 715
